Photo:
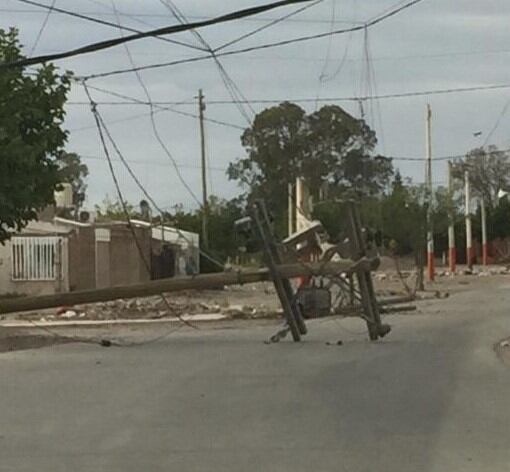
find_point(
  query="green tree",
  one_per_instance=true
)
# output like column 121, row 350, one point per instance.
column 222, row 215
column 31, row 136
column 328, row 145
column 113, row 210
column 489, row 172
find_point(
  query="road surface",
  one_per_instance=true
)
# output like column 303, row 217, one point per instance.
column 433, row 396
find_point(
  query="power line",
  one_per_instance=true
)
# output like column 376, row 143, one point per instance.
column 498, row 122
column 135, row 101
column 231, row 87
column 102, row 126
column 153, row 120
column 272, row 23
column 262, row 46
column 152, row 33
column 155, row 163
column 195, row 17
column 52, row 8
column 43, row 26
column 313, row 99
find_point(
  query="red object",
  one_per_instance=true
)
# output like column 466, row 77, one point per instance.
column 430, row 266
column 452, row 259
column 484, row 254
column 61, row 310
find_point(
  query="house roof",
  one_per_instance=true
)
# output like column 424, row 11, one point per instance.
column 44, row 228
column 171, row 234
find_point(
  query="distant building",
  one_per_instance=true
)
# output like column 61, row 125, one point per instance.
column 63, row 255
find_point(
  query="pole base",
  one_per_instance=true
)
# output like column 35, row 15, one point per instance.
column 430, row 266
column 452, row 260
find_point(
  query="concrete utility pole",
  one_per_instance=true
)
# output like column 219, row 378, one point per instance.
column 291, row 197
column 303, row 213
column 484, row 233
column 205, row 203
column 452, row 252
column 428, row 175
column 469, row 237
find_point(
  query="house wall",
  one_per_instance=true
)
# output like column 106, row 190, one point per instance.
column 126, row 265
column 82, row 259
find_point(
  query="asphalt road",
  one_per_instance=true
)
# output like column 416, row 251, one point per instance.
column 431, row 397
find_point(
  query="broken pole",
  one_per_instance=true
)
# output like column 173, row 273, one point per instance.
column 198, row 282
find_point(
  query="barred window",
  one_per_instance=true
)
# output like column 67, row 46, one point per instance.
column 35, row 258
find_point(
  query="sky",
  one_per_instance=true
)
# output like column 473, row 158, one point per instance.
column 435, row 44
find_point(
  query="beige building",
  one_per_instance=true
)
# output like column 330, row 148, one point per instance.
column 64, row 255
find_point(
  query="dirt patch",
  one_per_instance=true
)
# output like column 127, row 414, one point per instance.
column 502, row 349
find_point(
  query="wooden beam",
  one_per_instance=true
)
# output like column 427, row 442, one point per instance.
column 198, row 282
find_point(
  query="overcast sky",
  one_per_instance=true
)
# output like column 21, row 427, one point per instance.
column 436, row 44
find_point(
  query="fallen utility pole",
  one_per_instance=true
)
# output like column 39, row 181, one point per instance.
column 198, row 282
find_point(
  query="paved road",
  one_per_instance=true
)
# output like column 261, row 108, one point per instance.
column 432, row 397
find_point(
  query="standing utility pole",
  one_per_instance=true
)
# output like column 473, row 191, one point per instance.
column 484, row 233
column 205, row 203
column 469, row 238
column 290, row 205
column 452, row 253
column 428, row 174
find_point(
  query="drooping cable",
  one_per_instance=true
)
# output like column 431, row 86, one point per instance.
column 43, row 26
column 236, row 15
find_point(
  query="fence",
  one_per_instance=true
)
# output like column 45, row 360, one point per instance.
column 37, row 258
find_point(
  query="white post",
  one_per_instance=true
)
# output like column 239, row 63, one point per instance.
column 291, row 197
column 302, row 213
column 469, row 237
column 452, row 253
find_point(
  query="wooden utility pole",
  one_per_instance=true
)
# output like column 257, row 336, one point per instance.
column 428, row 175
column 174, row 284
column 467, row 209
column 205, row 203
column 452, row 252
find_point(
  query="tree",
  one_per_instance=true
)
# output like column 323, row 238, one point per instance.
column 328, row 145
column 489, row 172
column 113, row 210
column 74, row 172
column 222, row 215
column 31, row 136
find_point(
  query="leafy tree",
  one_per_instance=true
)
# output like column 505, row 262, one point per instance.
column 31, row 136
column 489, row 171
column 221, row 217
column 73, row 171
column 113, row 210
column 328, row 145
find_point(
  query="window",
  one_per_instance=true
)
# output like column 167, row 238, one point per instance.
column 36, row 258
